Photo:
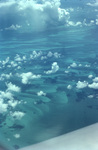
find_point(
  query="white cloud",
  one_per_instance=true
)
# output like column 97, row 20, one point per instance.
column 90, row 76
column 12, row 87
column 5, row 76
column 6, row 95
column 17, row 136
column 66, row 71
column 57, row 55
column 71, row 23
column 81, row 85
column 26, row 77
column 41, row 93
column 31, row 16
column 95, row 79
column 54, row 68
column 13, row 64
column 73, row 65
column 17, row 115
column 90, row 96
column 4, row 62
column 50, row 54
column 69, row 87
column 18, row 58
column 94, row 85
column 12, row 103
column 13, row 27
column 35, row 54
column 3, row 106
column 93, row 4
column 96, row 21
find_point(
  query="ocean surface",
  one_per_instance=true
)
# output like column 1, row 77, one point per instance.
column 48, row 74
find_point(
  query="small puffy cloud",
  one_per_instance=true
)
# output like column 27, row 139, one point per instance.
column 12, row 103
column 96, row 21
column 54, row 68
column 26, row 77
column 87, row 65
column 41, row 93
column 95, row 4
column 12, row 87
column 90, row 96
column 13, row 27
column 17, row 115
column 66, row 71
column 6, row 95
column 13, row 64
column 57, row 55
column 69, row 87
column 4, row 62
column 94, row 85
column 17, row 136
column 71, row 23
column 5, row 76
column 3, row 106
column 95, row 79
column 81, row 85
column 74, row 65
column 50, row 54
column 18, row 58
column 90, row 76
column 35, row 54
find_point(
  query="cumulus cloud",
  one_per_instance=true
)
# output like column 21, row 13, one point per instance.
column 6, row 95
column 94, row 85
column 3, row 106
column 12, row 103
column 81, row 85
column 41, row 93
column 54, row 68
column 13, row 27
column 95, row 79
column 73, row 65
column 26, row 77
column 71, row 23
column 17, row 136
column 12, row 87
column 17, row 115
column 5, row 76
column 90, row 76
column 95, row 4
column 31, row 15
column 69, row 87
column 35, row 54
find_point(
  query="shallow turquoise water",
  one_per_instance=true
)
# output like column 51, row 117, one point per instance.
column 47, row 104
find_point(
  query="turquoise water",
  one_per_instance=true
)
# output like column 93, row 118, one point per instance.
column 48, row 81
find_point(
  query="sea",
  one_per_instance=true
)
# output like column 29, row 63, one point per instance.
column 48, row 69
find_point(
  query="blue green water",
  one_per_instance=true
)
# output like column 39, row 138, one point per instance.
column 48, row 80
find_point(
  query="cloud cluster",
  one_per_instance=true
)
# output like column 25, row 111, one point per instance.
column 26, row 77
column 54, row 68
column 81, row 85
column 7, row 98
column 12, row 87
column 17, row 115
column 94, row 85
column 41, row 93
column 95, row 4
column 3, row 106
column 5, row 76
column 31, row 15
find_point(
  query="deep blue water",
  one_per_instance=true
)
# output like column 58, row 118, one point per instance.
column 48, row 77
